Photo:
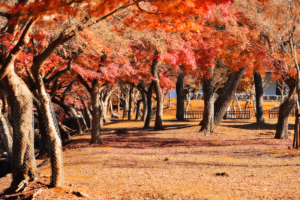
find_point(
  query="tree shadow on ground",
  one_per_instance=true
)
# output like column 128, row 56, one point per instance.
column 255, row 126
column 137, row 142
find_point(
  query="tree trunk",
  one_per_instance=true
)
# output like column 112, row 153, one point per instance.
column 170, row 101
column 130, row 102
column 53, row 139
column 118, row 106
column 227, row 95
column 159, row 94
column 144, row 98
column 96, row 128
column 65, row 135
column 259, row 92
column 296, row 131
column 159, row 106
column 188, row 100
column 42, row 131
column 149, row 106
column 138, row 105
column 180, row 98
column 208, row 93
column 23, row 165
column 5, row 134
column 284, row 111
column 85, row 127
column 71, row 112
column 88, row 113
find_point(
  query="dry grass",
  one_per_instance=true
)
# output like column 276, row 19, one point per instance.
column 240, row 161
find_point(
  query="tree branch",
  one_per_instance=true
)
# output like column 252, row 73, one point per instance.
column 16, row 50
column 84, row 83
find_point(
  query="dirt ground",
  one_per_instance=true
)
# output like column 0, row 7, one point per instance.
column 241, row 160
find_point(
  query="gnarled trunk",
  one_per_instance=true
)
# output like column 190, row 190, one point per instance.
column 208, row 93
column 227, row 95
column 259, row 92
column 180, row 98
column 23, row 165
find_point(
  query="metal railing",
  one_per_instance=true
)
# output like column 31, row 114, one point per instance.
column 193, row 114
column 274, row 113
column 245, row 114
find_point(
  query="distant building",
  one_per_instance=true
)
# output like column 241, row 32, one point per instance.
column 272, row 89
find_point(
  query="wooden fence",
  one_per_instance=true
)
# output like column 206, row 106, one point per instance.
column 193, row 114
column 246, row 114
column 274, row 113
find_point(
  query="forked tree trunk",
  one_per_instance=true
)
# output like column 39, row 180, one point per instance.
column 180, row 98
column 259, row 92
column 96, row 128
column 227, row 95
column 6, row 135
column 23, row 165
column 284, row 111
column 65, row 135
column 159, row 95
column 149, row 106
column 208, row 93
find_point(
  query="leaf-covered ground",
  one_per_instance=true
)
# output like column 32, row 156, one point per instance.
column 240, row 161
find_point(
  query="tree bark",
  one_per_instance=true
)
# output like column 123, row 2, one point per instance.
column 23, row 165
column 149, row 106
column 159, row 95
column 170, row 101
column 180, row 98
column 87, row 113
column 42, row 131
column 227, row 95
column 188, row 100
column 284, row 111
column 5, row 134
column 138, row 105
column 130, row 102
column 96, row 127
column 208, row 93
column 54, row 141
column 259, row 92
column 71, row 112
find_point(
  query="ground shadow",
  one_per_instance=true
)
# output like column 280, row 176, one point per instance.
column 255, row 126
